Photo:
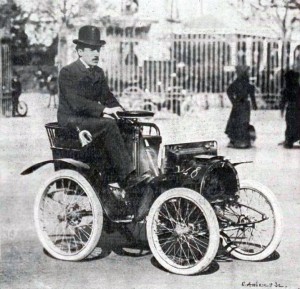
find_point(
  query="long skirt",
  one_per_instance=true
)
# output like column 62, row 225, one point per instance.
column 237, row 127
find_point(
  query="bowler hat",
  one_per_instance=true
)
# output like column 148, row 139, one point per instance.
column 89, row 35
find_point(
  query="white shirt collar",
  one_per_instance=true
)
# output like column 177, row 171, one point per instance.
column 84, row 63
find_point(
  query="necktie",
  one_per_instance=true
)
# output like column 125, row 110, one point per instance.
column 92, row 72
column 91, row 68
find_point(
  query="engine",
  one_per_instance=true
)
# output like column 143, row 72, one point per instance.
column 201, row 169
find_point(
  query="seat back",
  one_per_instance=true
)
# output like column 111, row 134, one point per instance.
column 64, row 142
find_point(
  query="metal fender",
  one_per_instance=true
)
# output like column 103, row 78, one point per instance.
column 72, row 162
column 222, row 171
column 236, row 164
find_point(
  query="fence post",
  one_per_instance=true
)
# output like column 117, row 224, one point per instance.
column 5, row 76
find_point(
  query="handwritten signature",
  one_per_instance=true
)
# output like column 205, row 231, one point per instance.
column 257, row 284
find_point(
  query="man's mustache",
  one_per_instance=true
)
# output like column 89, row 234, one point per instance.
column 96, row 58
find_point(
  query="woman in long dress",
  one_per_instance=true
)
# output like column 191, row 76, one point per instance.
column 291, row 101
column 238, row 123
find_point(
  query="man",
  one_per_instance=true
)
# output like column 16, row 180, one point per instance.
column 16, row 92
column 85, row 102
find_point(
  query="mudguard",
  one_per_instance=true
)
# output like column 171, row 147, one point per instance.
column 236, row 164
column 73, row 163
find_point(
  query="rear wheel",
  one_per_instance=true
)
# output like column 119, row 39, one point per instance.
column 150, row 106
column 254, row 223
column 68, row 216
column 183, row 231
column 22, row 108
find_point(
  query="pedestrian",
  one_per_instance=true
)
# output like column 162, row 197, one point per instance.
column 16, row 92
column 52, row 89
column 290, row 100
column 86, row 104
column 238, row 126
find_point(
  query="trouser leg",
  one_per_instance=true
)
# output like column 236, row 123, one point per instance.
column 107, row 137
column 14, row 106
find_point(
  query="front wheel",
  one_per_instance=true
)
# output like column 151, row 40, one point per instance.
column 68, row 216
column 253, row 223
column 22, row 108
column 183, row 231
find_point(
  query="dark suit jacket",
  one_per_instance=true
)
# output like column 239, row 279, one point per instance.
column 79, row 94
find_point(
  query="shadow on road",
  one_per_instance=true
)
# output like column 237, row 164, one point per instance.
column 212, row 268
column 274, row 256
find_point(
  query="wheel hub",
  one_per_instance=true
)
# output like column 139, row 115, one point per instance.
column 245, row 222
column 73, row 215
column 182, row 229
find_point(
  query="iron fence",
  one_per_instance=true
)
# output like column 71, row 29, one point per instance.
column 168, row 72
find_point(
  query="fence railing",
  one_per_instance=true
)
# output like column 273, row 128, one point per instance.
column 199, row 65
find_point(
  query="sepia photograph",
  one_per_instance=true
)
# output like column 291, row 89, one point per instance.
column 149, row 144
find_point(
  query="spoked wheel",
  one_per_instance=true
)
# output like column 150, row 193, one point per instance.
column 149, row 106
column 188, row 108
column 68, row 216
column 183, row 231
column 22, row 108
column 254, row 223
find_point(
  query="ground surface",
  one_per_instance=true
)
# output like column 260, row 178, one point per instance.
column 24, row 141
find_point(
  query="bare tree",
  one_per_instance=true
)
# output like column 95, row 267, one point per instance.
column 281, row 16
column 55, row 18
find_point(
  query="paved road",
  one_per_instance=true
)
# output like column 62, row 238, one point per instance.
column 23, row 142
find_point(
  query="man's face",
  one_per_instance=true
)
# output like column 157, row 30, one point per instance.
column 90, row 55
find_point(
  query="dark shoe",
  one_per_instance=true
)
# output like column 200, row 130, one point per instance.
column 118, row 192
column 116, row 204
column 288, row 145
column 242, row 145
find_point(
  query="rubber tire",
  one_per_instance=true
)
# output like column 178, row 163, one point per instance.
column 23, row 103
column 269, row 195
column 98, row 216
column 211, row 219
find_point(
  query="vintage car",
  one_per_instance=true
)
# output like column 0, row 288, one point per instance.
column 197, row 201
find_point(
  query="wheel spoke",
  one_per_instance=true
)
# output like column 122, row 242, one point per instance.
column 190, row 214
column 86, row 234
column 177, row 210
column 182, row 250
column 169, row 217
column 163, row 229
column 200, row 242
column 170, row 248
column 195, row 248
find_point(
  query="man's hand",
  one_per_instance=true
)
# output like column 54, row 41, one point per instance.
column 112, row 112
